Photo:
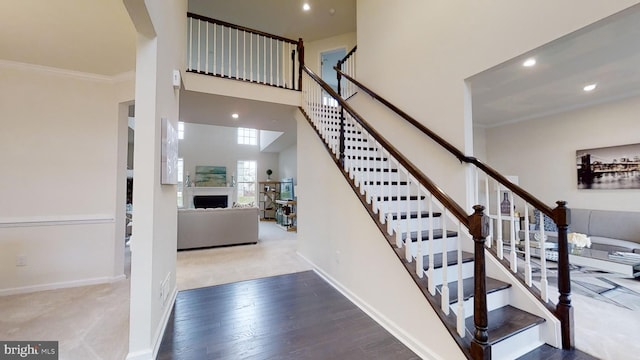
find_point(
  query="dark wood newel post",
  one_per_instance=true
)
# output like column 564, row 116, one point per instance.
column 479, row 229
column 564, row 310
column 300, row 62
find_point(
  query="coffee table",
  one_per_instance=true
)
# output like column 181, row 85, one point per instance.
column 628, row 265
column 607, row 261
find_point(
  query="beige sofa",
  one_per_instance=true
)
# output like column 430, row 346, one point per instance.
column 202, row 228
column 609, row 230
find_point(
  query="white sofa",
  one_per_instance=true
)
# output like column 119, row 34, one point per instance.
column 202, row 228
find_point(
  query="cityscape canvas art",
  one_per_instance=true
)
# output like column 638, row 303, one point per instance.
column 614, row 167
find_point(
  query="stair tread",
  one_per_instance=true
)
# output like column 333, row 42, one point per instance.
column 468, row 287
column 401, row 198
column 505, row 322
column 437, row 234
column 386, row 183
column 452, row 259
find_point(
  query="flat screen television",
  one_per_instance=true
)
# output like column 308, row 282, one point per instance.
column 286, row 189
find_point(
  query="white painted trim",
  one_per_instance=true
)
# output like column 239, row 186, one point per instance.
column 56, row 220
column 140, row 355
column 407, row 339
column 125, row 76
column 163, row 322
column 152, row 352
column 61, row 285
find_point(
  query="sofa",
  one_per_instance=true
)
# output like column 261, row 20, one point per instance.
column 203, row 228
column 609, row 230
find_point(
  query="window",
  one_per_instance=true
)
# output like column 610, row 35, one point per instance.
column 180, row 182
column 247, row 136
column 180, row 130
column 246, row 181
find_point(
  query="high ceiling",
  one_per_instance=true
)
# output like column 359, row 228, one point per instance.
column 286, row 18
column 97, row 36
column 606, row 53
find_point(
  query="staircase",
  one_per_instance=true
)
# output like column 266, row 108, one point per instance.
column 447, row 251
column 420, row 233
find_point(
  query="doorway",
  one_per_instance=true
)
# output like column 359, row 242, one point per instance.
column 329, row 59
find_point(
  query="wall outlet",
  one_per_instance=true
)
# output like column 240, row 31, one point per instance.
column 21, row 260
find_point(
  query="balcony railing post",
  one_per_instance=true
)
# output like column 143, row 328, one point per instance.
column 300, row 62
column 479, row 229
column 564, row 310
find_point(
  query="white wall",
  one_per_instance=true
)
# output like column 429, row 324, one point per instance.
column 336, row 234
column 59, row 142
column 287, row 163
column 542, row 152
column 160, row 49
column 417, row 54
column 218, row 146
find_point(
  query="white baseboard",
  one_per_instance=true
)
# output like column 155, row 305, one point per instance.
column 140, row 355
column 404, row 337
column 152, row 352
column 61, row 285
column 157, row 339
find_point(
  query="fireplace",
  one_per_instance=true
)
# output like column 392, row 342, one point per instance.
column 210, row 201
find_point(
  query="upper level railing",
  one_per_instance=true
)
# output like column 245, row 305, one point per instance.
column 509, row 199
column 231, row 51
column 347, row 65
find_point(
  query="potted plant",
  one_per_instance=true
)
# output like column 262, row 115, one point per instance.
column 269, row 172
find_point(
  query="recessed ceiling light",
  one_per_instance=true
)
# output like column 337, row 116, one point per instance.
column 529, row 62
column 590, row 87
column 306, row 7
column 235, row 116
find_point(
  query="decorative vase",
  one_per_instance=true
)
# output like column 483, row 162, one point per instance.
column 505, row 205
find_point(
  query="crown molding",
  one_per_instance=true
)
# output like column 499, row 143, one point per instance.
column 68, row 73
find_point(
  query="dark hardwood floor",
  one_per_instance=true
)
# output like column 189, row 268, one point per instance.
column 294, row 316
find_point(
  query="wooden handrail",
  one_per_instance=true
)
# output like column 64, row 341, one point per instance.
column 241, row 28
column 341, row 61
column 446, row 201
column 525, row 195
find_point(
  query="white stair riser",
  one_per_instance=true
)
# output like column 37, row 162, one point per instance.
column 388, row 206
column 452, row 272
column 384, row 190
column 452, row 245
column 413, row 224
column 517, row 345
column 495, row 300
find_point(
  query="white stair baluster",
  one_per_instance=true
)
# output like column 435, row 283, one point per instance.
column 215, row 45
column 199, row 53
column 460, row 316
column 229, row 73
column 487, row 195
column 419, row 253
column 499, row 244
column 527, row 247
column 514, row 255
column 445, row 283
column 251, row 63
column 244, row 55
column 221, row 50
column 237, row 52
column 544, row 283
column 431, row 249
column 407, row 237
column 206, row 62
column 397, row 210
